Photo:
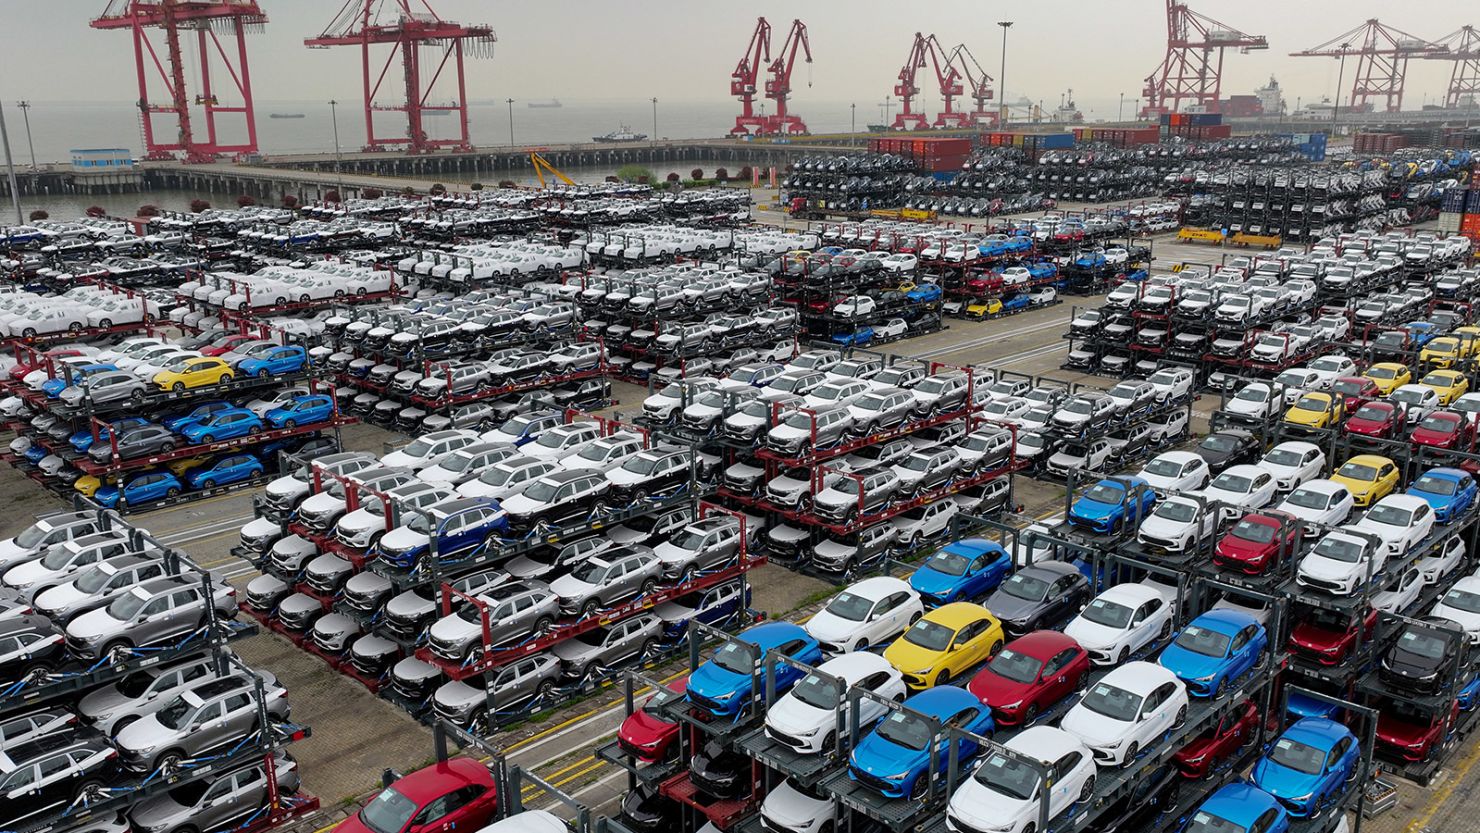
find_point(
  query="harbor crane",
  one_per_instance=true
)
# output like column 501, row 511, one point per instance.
column 743, row 80
column 927, row 51
column 411, row 28
column 1464, row 82
column 1192, row 71
column 980, row 85
column 1382, row 62
column 211, row 22
column 778, row 86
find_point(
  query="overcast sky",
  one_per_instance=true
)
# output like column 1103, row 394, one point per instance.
column 684, row 50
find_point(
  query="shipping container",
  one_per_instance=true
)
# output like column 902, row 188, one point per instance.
column 1453, row 200
column 1205, row 119
column 1449, row 221
column 1472, row 201
column 1469, row 224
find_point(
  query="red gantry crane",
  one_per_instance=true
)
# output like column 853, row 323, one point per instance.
column 1382, row 62
column 210, row 20
column 778, row 86
column 747, row 73
column 367, row 23
column 927, row 51
column 980, row 85
column 1464, row 82
column 1192, row 70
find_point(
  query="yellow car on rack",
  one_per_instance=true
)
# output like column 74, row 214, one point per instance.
column 1389, row 376
column 984, row 307
column 1369, row 477
column 1449, row 384
column 89, row 484
column 197, row 372
column 1444, row 351
column 1316, row 410
column 945, row 643
column 181, row 467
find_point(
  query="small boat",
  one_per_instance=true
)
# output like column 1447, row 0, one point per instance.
column 285, row 115
column 549, row 102
column 621, row 134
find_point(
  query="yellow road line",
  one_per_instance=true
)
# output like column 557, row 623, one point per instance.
column 538, row 792
column 1441, row 795
column 559, row 772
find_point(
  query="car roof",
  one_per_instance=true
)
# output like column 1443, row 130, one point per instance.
column 1227, row 622
column 956, row 614
column 441, row 778
column 1369, row 460
column 1138, row 677
column 942, row 701
column 1044, row 743
column 855, row 665
column 770, row 634
column 878, row 587
column 1128, row 592
column 1319, row 732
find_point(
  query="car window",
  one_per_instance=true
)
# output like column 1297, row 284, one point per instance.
column 53, row 765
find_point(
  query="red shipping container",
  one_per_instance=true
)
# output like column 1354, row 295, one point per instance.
column 1469, row 224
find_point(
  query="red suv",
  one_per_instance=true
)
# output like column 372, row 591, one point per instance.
column 1202, row 753
column 456, row 794
column 647, row 736
column 1405, row 733
column 1254, row 544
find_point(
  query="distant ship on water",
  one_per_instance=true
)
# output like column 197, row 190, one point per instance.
column 547, row 103
column 285, row 115
column 622, row 134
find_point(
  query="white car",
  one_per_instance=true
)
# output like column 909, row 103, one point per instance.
column 1437, row 565
column 1241, row 489
column 1176, row 525
column 806, row 717
column 1128, row 710
column 1297, row 381
column 1171, row 383
column 793, row 806
column 1175, row 471
column 1256, row 400
column 1004, row 794
column 1341, row 561
column 924, row 521
column 1319, row 503
column 1401, row 521
column 1462, row 606
column 1417, row 400
column 868, row 613
column 1121, row 621
column 561, row 441
column 425, row 452
column 1401, row 594
column 1293, row 463
column 1332, row 367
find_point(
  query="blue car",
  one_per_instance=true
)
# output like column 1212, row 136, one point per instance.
column 1299, row 705
column 1308, row 765
column 35, row 453
column 54, row 386
column 288, row 358
column 857, row 338
column 961, row 571
column 462, row 527
column 1468, row 694
column 1214, row 650
column 140, row 488
column 1451, row 492
column 1042, row 269
column 303, row 410
column 1015, row 303
column 83, row 440
column 1111, row 504
column 893, row 759
column 721, row 686
column 924, row 293
column 714, row 606
column 1238, row 806
column 1422, row 332
column 232, row 468
column 223, row 425
column 199, row 413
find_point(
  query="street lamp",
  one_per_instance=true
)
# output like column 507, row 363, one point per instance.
column 1002, row 75
column 338, row 160
column 26, row 114
column 1340, row 74
column 1120, row 114
column 853, row 118
column 655, row 118
column 511, row 122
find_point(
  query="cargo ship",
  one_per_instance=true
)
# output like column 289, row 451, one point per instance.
column 549, row 102
column 621, row 134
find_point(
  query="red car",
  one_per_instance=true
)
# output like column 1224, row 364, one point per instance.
column 1031, row 674
column 1445, row 429
column 1325, row 637
column 461, row 789
column 1408, row 734
column 1356, row 390
column 225, row 344
column 1377, row 419
column 21, row 368
column 823, row 306
column 1254, row 544
column 982, row 284
column 644, row 734
column 1204, row 752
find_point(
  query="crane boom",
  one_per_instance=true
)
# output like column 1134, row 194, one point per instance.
column 1382, row 61
column 1192, row 70
column 1464, row 81
column 978, row 82
column 747, row 72
column 778, row 86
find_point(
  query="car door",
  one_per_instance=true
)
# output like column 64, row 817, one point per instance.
column 967, row 649
column 1057, row 683
column 1142, row 625
column 1063, row 791
column 511, row 686
column 226, row 799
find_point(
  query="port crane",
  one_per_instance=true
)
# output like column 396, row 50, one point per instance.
column 210, row 21
column 744, row 79
column 778, row 86
column 1464, row 82
column 980, row 85
column 410, row 28
column 927, row 51
column 1192, row 71
column 1382, row 62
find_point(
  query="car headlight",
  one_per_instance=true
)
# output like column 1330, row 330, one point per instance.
column 1303, row 798
column 1010, row 706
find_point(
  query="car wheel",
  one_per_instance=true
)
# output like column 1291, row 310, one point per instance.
column 207, row 439
column 943, row 678
column 167, row 447
column 589, row 607
column 208, row 484
column 639, row 496
column 649, row 648
column 913, row 542
column 172, row 492
column 1088, row 790
column 35, row 671
column 1181, row 718
column 224, row 379
column 169, row 761
column 87, row 792
column 255, row 430
column 178, row 387
column 262, row 374
column 106, row 323
column 648, row 586
column 992, row 651
column 290, row 424
column 1166, row 630
column 1125, row 655
column 543, row 624
column 29, row 332
column 1130, row 754
column 918, row 788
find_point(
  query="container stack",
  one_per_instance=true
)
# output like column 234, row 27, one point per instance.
column 1118, row 137
column 932, row 154
column 1033, row 144
column 1194, row 126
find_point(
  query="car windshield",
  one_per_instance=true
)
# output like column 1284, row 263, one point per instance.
column 1218, row 442
column 1025, row 587
column 1112, row 702
column 1358, row 471
column 388, row 812
column 590, row 572
column 871, row 402
column 1108, row 613
column 929, row 635
column 1162, row 467
column 1386, row 513
column 418, row 448
column 1106, row 493
column 737, row 657
column 1230, row 482
column 949, row 563
column 497, row 476
column 1344, row 550
column 849, row 606
column 1020, row 668
column 124, row 607
column 57, row 557
column 1409, row 397
column 1205, row 823
column 1373, row 413
column 1008, row 776
column 1079, row 406
column 1423, row 643
column 1306, row 499
column 1253, row 393
column 1436, row 485
column 1347, row 387
column 1384, row 373
column 688, row 539
column 1177, row 511
column 94, row 579
column 1286, row 457
column 1312, row 403
column 1297, row 756
column 31, row 536
column 1439, row 423
column 1203, row 641
column 173, row 715
column 905, row 730
column 817, row 692
column 542, row 490
column 1462, row 600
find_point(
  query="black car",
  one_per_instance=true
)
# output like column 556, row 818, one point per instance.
column 1153, row 794
column 558, row 498
column 49, row 773
column 657, row 471
column 647, row 811
column 29, row 645
column 1038, row 597
column 720, row 772
column 137, row 442
column 1222, row 449
column 1422, row 658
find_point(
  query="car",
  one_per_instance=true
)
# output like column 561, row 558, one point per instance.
column 1177, row 525
column 230, row 468
column 1175, row 471
column 114, row 705
column 962, row 570
column 30, row 646
column 1423, row 656
column 1121, row 621
column 1040, row 595
column 149, row 614
column 1399, row 521
column 1112, row 504
column 1030, row 676
column 1316, row 410
column 609, row 645
column 142, row 441
column 1448, row 384
column 557, row 498
column 140, row 488
column 302, row 410
column 428, row 450
column 1444, row 429
column 646, row 734
column 1341, row 561
column 894, row 759
column 214, row 714
column 721, row 686
column 217, row 803
column 1214, row 651
column 512, row 611
column 1229, row 447
column 1461, row 605
column 1369, row 477
column 1238, row 806
column 1006, row 794
column 46, row 776
column 806, row 718
column 1379, row 419
column 1309, row 765
column 928, row 520
column 1126, row 711
column 225, row 424
column 1356, row 390
column 94, row 585
column 273, row 361
column 945, row 643
column 189, row 373
column 1240, row 489
column 1260, row 541
column 457, row 793
column 703, row 545
column 1202, row 754
column 1449, row 491
column 1388, row 376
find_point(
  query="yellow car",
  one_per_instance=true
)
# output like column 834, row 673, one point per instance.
column 1316, row 410
column 983, row 308
column 945, row 643
column 89, row 484
column 1369, row 477
column 195, row 372
column 180, row 467
column 1450, row 384
column 1389, row 376
column 1442, row 352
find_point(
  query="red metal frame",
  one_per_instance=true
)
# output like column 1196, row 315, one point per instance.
column 1464, row 50
column 778, row 86
column 207, row 18
column 1382, row 62
column 980, row 84
column 1191, row 71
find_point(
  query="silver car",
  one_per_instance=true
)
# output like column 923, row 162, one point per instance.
column 105, row 387
column 148, row 614
column 210, row 716
column 532, row 678
column 606, row 646
column 61, row 561
column 217, row 803
column 95, row 586
column 609, row 578
column 142, row 692
column 516, row 611
column 46, row 531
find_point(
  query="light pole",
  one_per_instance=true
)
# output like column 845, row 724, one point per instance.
column 338, row 160
column 26, row 114
column 853, row 118
column 511, row 122
column 1340, row 74
column 1120, row 113
column 655, row 118
column 15, row 189
column 1002, row 74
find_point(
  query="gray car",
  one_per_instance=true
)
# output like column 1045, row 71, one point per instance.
column 702, row 545
column 607, row 579
column 532, row 678
column 21, row 728
column 212, row 715
column 46, row 531
column 606, row 646
column 117, row 704
column 95, row 586
column 105, row 387
column 137, row 442
column 59, row 562
column 217, row 803
column 152, row 613
column 515, row 611
column 410, row 612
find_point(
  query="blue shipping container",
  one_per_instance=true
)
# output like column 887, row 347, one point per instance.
column 1453, row 201
column 1472, row 205
column 1055, row 141
column 1205, row 119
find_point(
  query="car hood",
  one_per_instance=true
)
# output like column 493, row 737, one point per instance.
column 575, row 649
column 360, row 519
column 402, row 539
column 984, row 808
column 1093, row 635
column 1190, row 665
column 792, row 809
column 102, row 702
column 570, row 587
column 883, row 758
column 24, row 575
column 456, row 629
column 1093, row 728
column 1163, row 528
column 1011, row 608
column 91, row 624
column 715, row 683
column 1281, row 781
column 158, row 811
column 60, row 597
column 829, row 627
column 791, row 716
column 143, row 733
column 933, row 583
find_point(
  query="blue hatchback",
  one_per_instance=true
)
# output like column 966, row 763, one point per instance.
column 1110, row 504
column 233, row 468
column 54, row 386
column 223, row 425
column 856, row 338
column 83, row 440
column 1450, row 492
column 1238, row 806
column 1214, row 650
column 722, row 685
column 961, row 571
column 143, row 487
column 925, row 293
column 893, row 759
column 288, row 358
column 303, row 410
column 199, row 413
column 1308, row 765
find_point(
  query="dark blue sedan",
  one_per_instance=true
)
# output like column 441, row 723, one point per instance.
column 303, row 410
column 233, row 468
